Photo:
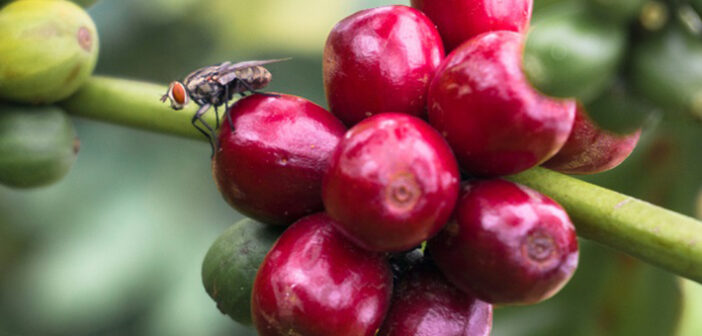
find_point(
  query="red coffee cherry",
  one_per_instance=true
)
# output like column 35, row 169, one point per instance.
column 495, row 122
column 392, row 183
column 314, row 282
column 459, row 20
column 425, row 303
column 590, row 149
column 507, row 244
column 270, row 167
column 380, row 60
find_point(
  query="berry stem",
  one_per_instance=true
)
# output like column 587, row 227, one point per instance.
column 134, row 104
column 656, row 235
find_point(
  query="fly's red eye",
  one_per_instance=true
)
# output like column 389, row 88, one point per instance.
column 178, row 93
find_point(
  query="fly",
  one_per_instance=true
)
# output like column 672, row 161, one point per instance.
column 215, row 85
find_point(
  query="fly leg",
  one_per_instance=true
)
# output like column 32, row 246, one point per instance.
column 251, row 89
column 209, row 135
column 216, row 117
column 226, row 107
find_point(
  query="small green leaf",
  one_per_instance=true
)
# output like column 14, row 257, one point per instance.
column 618, row 110
column 666, row 68
column 573, row 54
column 697, row 4
column 618, row 11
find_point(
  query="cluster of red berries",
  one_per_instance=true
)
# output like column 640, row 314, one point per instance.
column 392, row 181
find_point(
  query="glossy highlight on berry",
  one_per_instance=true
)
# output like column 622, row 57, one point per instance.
column 314, row 282
column 392, row 183
column 495, row 122
column 270, row 167
column 460, row 20
column 425, row 303
column 507, row 244
column 380, row 60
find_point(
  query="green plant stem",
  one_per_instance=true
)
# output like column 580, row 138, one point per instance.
column 656, row 235
column 653, row 234
column 134, row 104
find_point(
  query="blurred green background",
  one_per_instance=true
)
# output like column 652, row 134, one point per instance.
column 116, row 247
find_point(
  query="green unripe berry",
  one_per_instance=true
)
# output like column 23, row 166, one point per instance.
column 48, row 48
column 84, row 3
column 230, row 266
column 38, row 145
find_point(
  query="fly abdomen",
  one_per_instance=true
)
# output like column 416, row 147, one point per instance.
column 257, row 77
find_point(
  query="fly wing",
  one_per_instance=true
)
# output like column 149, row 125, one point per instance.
column 248, row 64
column 227, row 71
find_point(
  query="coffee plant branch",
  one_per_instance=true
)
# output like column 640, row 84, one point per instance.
column 134, row 104
column 656, row 235
column 661, row 237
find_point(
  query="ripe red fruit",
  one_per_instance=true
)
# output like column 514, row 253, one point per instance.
column 459, row 20
column 495, row 122
column 425, row 303
column 392, row 183
column 270, row 167
column 590, row 149
column 314, row 282
column 507, row 244
column 380, row 60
